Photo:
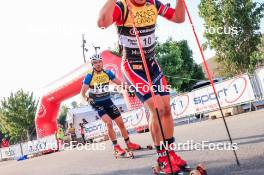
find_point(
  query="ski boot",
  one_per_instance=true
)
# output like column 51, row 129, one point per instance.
column 133, row 146
column 119, row 151
column 177, row 159
column 163, row 165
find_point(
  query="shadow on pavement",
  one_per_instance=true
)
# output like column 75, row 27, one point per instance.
column 251, row 166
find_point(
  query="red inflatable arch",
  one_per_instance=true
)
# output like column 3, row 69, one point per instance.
column 67, row 87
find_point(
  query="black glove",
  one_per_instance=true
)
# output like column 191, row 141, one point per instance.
column 93, row 104
column 130, row 93
column 90, row 101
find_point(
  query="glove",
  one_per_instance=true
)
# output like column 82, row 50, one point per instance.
column 90, row 101
column 130, row 93
column 93, row 104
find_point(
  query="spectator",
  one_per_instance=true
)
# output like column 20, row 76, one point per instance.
column 84, row 121
column 72, row 133
column 60, row 133
column 82, row 132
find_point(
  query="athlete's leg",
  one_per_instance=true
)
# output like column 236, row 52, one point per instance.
column 167, row 119
column 83, row 138
column 108, row 121
column 167, row 122
column 121, row 126
column 112, row 135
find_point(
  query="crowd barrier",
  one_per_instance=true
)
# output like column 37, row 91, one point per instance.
column 259, row 74
column 231, row 92
column 44, row 144
column 132, row 120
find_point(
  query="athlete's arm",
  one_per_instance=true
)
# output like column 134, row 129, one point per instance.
column 106, row 14
column 124, row 86
column 118, row 82
column 176, row 15
column 179, row 14
column 85, row 86
column 84, row 89
column 114, row 79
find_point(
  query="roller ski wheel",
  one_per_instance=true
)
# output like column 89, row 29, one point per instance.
column 149, row 147
column 202, row 169
column 199, row 170
column 195, row 172
column 157, row 171
column 127, row 154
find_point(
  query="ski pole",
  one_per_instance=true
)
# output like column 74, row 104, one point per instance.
column 149, row 80
column 210, row 79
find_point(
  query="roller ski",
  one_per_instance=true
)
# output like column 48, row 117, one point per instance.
column 120, row 153
column 198, row 170
column 135, row 147
column 179, row 166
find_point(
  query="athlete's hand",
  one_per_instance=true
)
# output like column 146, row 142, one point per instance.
column 130, row 93
column 90, row 101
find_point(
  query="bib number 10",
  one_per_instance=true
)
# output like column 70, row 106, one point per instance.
column 147, row 41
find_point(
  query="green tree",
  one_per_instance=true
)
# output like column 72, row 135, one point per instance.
column 17, row 116
column 177, row 63
column 261, row 46
column 2, row 134
column 232, row 30
column 63, row 114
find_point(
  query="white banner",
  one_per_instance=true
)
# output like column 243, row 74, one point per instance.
column 132, row 119
column 230, row 93
column 94, row 129
column 182, row 105
column 135, row 118
column 40, row 145
column 11, row 152
column 260, row 77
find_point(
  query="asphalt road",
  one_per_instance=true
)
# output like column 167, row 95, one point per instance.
column 247, row 131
